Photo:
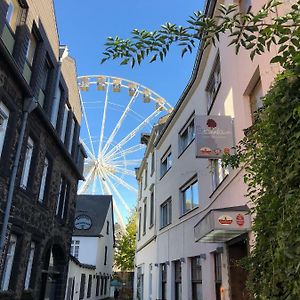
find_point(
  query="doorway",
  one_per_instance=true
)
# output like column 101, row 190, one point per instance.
column 238, row 276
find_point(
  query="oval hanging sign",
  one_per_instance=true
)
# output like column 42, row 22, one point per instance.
column 225, row 220
column 240, row 219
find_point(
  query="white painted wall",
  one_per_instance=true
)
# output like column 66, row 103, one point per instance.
column 176, row 241
column 91, row 252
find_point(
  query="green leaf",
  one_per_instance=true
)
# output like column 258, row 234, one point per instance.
column 153, row 58
column 276, row 59
column 283, row 39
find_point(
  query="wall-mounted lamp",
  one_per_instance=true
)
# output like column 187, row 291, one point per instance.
column 182, row 259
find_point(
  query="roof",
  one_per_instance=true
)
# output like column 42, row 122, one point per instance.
column 209, row 7
column 96, row 207
column 78, row 263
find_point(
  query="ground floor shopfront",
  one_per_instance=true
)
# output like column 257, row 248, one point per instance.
column 193, row 264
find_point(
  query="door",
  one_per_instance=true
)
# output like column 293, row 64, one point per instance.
column 238, row 276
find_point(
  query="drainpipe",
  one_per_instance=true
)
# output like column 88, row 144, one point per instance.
column 29, row 105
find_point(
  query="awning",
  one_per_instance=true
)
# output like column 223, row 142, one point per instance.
column 224, row 224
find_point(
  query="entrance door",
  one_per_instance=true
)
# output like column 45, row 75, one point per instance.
column 238, row 275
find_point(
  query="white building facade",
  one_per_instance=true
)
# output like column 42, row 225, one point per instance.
column 202, row 226
column 92, row 249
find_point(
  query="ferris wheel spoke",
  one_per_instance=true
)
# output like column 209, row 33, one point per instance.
column 124, row 152
column 87, row 126
column 83, row 188
column 131, row 162
column 117, row 193
column 119, row 124
column 124, row 183
column 115, row 208
column 133, row 132
column 103, row 119
column 125, row 171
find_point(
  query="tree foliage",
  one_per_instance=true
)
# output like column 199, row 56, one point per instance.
column 256, row 32
column 270, row 153
column 125, row 246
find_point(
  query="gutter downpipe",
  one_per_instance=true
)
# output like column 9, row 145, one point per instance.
column 29, row 105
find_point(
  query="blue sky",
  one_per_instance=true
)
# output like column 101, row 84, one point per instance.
column 84, row 26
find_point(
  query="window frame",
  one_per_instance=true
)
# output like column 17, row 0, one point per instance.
column 64, row 191
column 214, row 82
column 166, row 162
column 44, row 180
column 15, row 16
column 196, row 266
column 29, row 265
column 4, row 119
column 152, row 207
column 27, row 162
column 168, row 206
column 8, row 264
column 216, row 169
column 189, row 185
column 189, row 130
column 145, row 217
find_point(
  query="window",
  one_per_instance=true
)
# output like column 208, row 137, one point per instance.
column 140, row 224
column 8, row 264
column 13, row 14
column 29, row 266
column 55, row 106
column 75, row 248
column 146, row 177
column 190, row 195
column 178, row 286
column 31, row 48
column 218, row 273
column 82, row 286
column 107, row 227
column 256, row 99
column 214, row 83
column 105, row 255
column 45, row 75
column 196, row 278
column 218, row 172
column 152, row 207
column 102, row 284
column 64, row 124
column 166, row 213
column 186, row 135
column 27, row 163
column 145, row 216
column 163, row 269
column 97, row 285
column 89, row 289
column 44, row 180
column 166, row 162
column 71, row 136
column 152, row 163
column 105, row 285
column 140, row 187
column 4, row 115
column 61, row 202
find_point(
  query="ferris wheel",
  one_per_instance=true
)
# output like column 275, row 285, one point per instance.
column 116, row 112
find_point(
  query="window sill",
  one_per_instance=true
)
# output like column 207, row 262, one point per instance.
column 164, row 226
column 189, row 211
column 187, row 146
column 151, row 226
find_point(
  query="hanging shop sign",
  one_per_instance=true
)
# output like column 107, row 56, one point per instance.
column 223, row 224
column 214, row 136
